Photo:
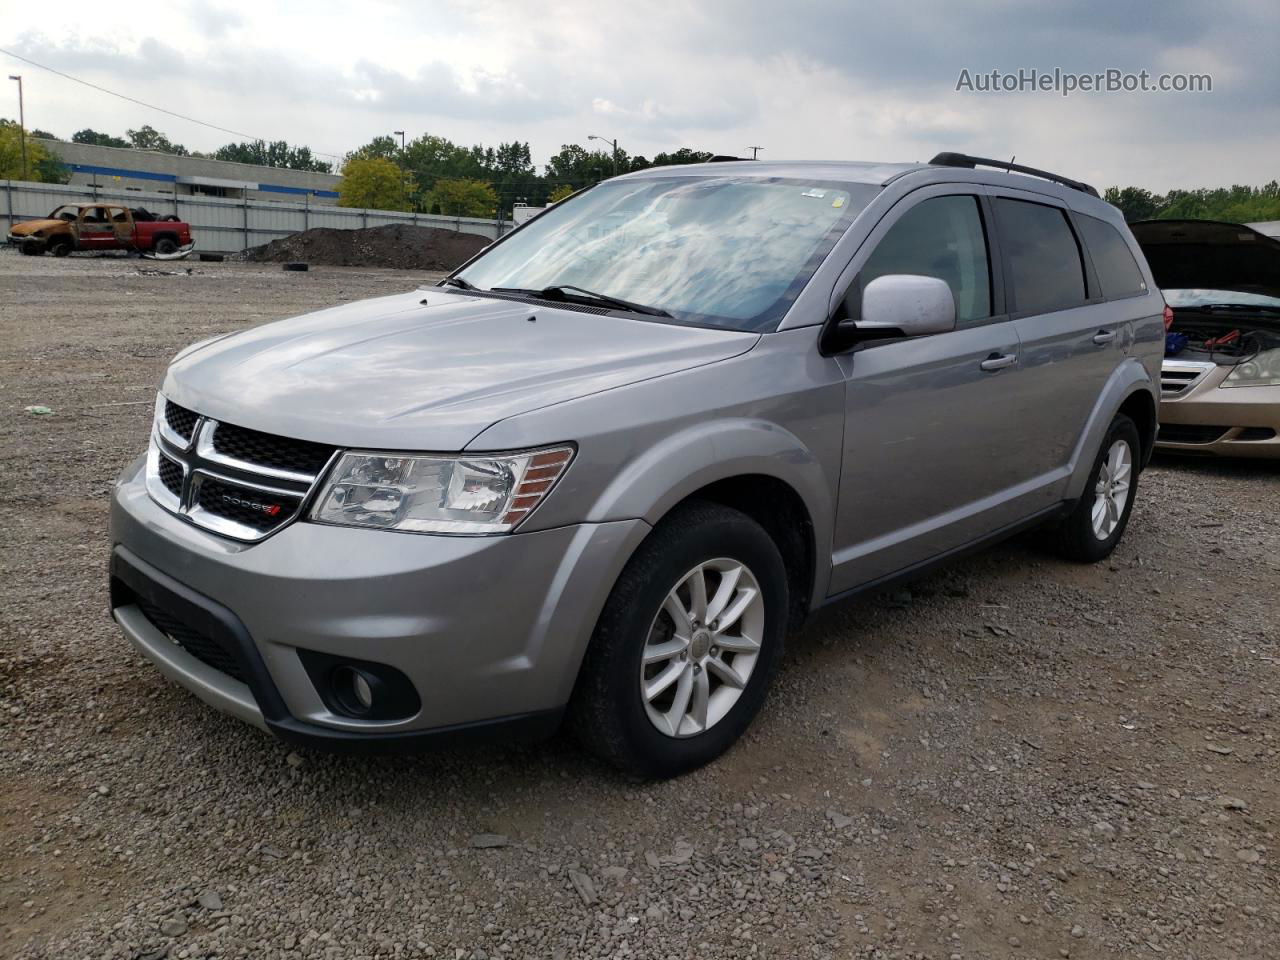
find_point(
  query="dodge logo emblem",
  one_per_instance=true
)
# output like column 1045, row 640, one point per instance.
column 267, row 509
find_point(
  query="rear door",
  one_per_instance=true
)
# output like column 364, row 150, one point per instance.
column 1071, row 338
column 122, row 226
column 931, row 460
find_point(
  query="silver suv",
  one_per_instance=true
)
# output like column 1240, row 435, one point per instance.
column 601, row 471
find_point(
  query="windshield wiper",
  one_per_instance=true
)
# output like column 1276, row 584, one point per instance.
column 571, row 294
column 457, row 282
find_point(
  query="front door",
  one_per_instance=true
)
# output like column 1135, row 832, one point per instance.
column 95, row 230
column 930, row 462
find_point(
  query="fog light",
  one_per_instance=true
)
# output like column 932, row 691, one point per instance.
column 360, row 686
column 355, row 689
column 361, row 689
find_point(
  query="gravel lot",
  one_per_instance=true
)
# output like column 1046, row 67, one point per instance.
column 1014, row 757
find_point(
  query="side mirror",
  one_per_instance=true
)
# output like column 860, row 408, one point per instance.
column 906, row 305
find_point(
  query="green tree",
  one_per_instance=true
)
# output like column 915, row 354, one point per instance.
column 42, row 167
column 1235, row 204
column 683, row 155
column 278, row 153
column 559, row 193
column 462, row 198
column 148, row 137
column 93, row 137
column 375, row 183
column 385, row 147
column 579, row 167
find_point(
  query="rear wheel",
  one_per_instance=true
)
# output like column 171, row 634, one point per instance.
column 1092, row 530
column 687, row 644
column 166, row 246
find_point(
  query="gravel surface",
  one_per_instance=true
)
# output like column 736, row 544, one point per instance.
column 1014, row 757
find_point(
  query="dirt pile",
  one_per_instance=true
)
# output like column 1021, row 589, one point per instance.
column 395, row 245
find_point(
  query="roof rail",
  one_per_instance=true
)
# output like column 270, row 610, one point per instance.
column 947, row 159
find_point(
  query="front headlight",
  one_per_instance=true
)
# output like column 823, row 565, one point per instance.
column 460, row 495
column 1262, row 371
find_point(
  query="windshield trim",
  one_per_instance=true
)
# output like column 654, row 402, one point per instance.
column 770, row 319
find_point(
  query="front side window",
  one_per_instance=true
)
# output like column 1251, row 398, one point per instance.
column 727, row 251
column 940, row 237
column 1044, row 259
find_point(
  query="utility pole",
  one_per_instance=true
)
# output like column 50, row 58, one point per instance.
column 755, row 151
column 22, row 126
column 612, row 143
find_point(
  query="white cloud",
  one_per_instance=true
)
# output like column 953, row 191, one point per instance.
column 812, row 79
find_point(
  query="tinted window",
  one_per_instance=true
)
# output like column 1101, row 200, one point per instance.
column 1044, row 260
column 1118, row 272
column 941, row 237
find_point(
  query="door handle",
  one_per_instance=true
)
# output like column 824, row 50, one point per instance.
column 1104, row 337
column 998, row 361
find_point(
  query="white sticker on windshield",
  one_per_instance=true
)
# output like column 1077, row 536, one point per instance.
column 815, row 193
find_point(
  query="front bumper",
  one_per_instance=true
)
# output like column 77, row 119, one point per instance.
column 489, row 630
column 1208, row 419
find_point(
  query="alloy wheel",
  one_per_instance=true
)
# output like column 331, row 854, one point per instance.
column 701, row 648
column 1111, row 492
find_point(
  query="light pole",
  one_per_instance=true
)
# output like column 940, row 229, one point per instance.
column 22, row 125
column 755, row 151
column 612, row 143
column 404, row 187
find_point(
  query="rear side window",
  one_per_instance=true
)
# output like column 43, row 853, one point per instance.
column 1118, row 272
column 941, row 237
column 1044, row 259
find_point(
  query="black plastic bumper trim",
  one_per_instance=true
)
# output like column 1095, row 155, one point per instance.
column 225, row 627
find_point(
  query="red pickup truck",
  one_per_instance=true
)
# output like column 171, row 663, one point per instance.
column 102, row 227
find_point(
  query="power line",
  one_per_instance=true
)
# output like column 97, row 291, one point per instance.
column 149, row 106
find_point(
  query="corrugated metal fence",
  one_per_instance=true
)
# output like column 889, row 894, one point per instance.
column 226, row 225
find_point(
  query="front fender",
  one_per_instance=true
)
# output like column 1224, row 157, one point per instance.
column 1129, row 378
column 652, row 483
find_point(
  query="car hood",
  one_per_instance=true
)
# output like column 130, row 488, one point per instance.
column 1207, row 254
column 427, row 370
column 28, row 227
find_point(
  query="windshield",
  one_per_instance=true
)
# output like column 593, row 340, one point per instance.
column 722, row 250
column 1199, row 297
column 66, row 212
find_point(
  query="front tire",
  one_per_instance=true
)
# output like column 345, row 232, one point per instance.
column 60, row 248
column 687, row 644
column 1091, row 531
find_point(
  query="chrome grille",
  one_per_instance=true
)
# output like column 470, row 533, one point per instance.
column 1179, row 376
column 180, row 420
column 265, row 450
column 236, row 482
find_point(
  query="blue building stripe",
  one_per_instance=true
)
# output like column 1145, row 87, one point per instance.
column 119, row 172
column 172, row 178
column 272, row 188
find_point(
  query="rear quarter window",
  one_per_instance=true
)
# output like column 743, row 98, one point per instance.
column 1117, row 271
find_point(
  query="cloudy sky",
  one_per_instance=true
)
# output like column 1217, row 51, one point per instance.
column 802, row 79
